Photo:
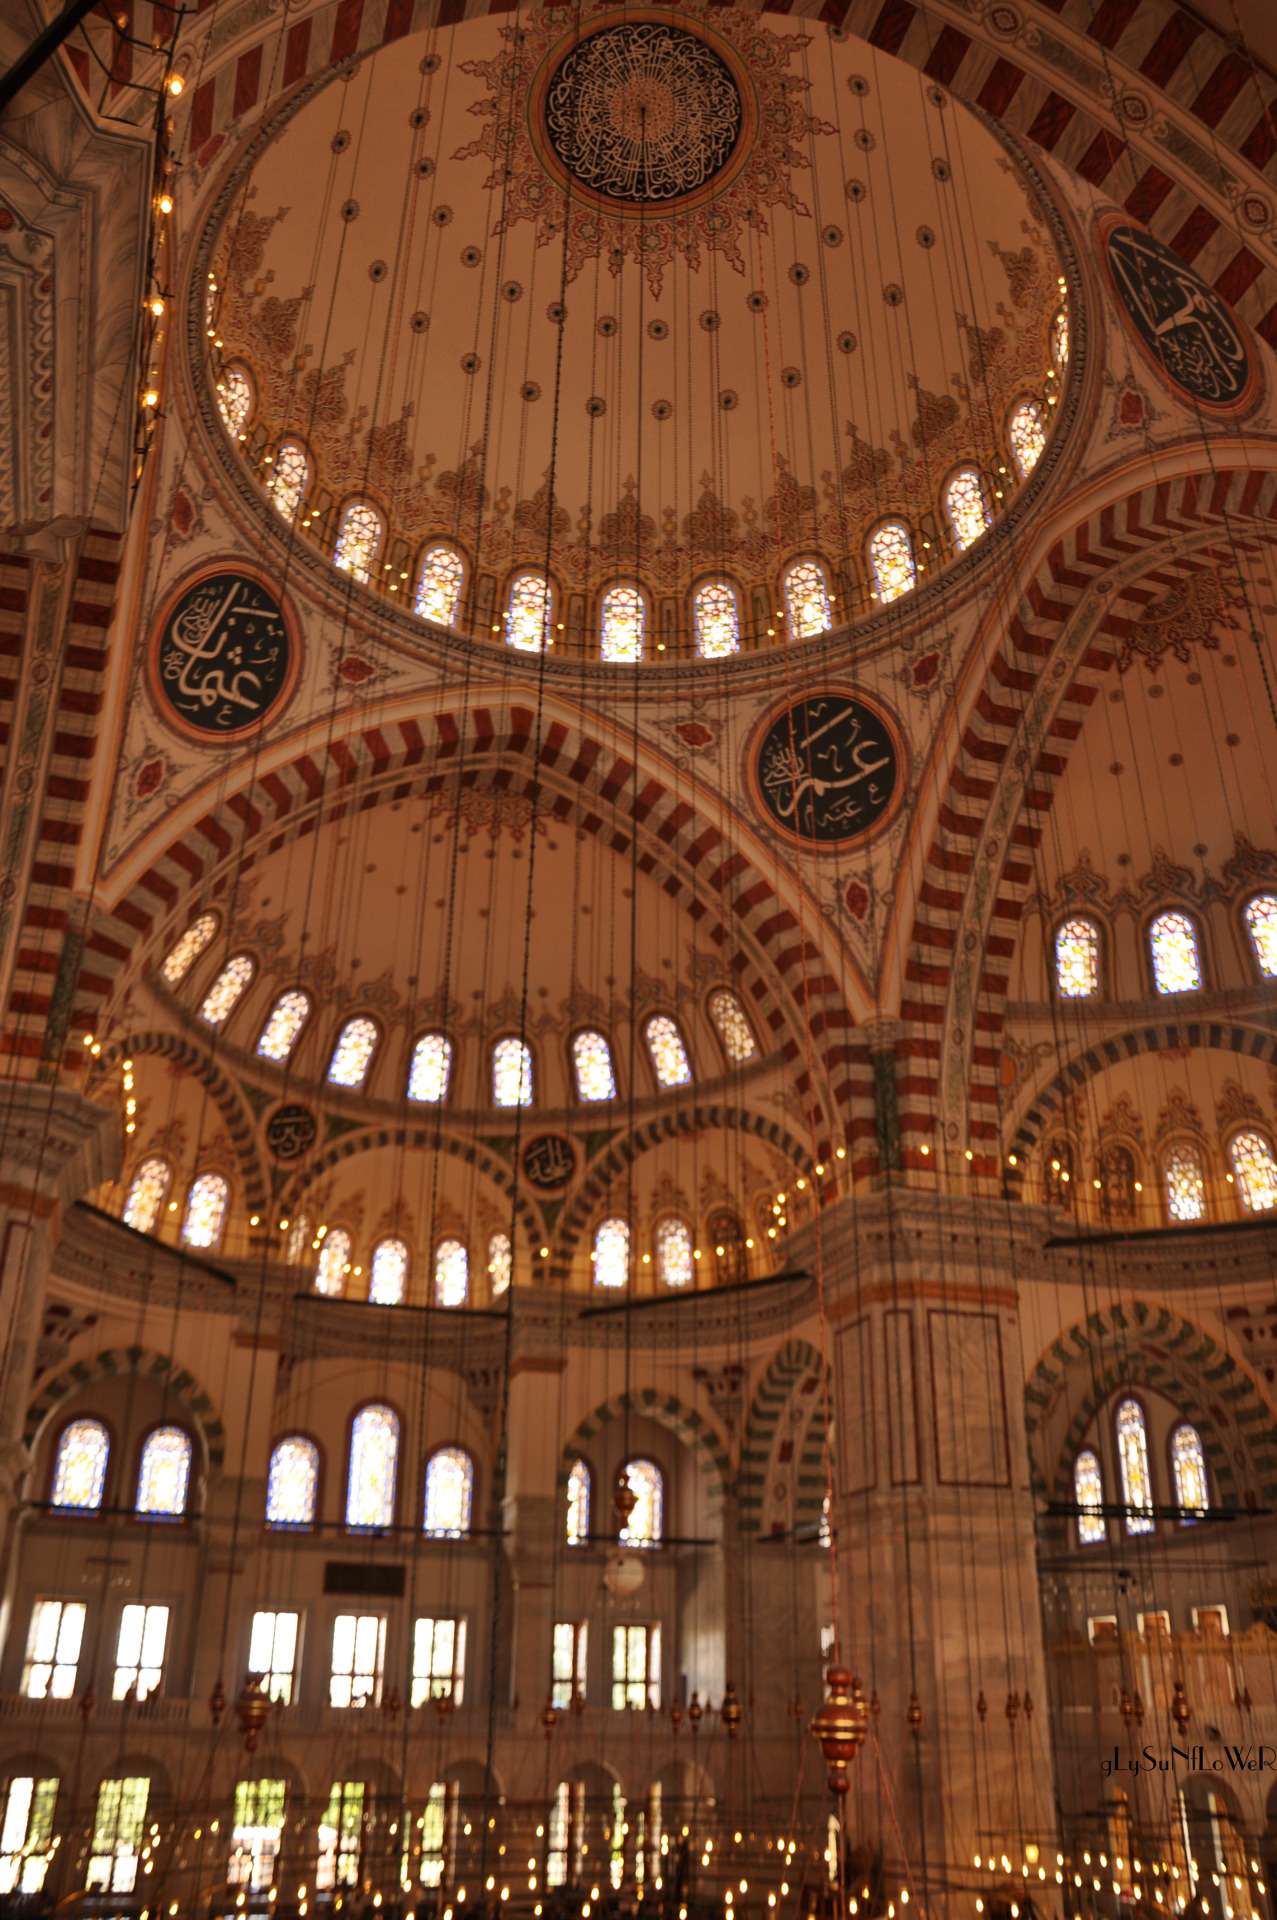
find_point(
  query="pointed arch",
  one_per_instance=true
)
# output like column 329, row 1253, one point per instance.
column 203, row 1066
column 703, row 1442
column 789, row 1369
column 112, row 1363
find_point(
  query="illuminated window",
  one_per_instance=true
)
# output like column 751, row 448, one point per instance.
column 731, row 1256
column 1260, row 915
column 206, row 1211
column 1059, row 1174
column 290, row 479
column 287, row 1018
column 1172, row 944
column 734, row 1030
column 359, row 1655
column 272, row 1652
column 1117, row 1181
column 1088, row 1491
column 807, row 600
column 389, row 1281
column 669, row 1055
column 26, row 1833
column 223, row 996
column 452, row 1274
column 439, row 585
column 182, row 957
column 891, row 561
column 431, row 1069
column 334, row 1262
column 967, row 507
column 716, row 617
column 592, row 1064
column 235, row 400
column 612, row 1254
column 1188, row 1464
column 374, row 1461
column 118, row 1826
column 528, row 610
column 358, row 540
column 146, row 1195
column 568, row 1662
column 673, row 1253
column 54, row 1638
column 292, row 1482
column 298, row 1244
column 1255, row 1169
column 164, row 1475
column 579, row 1505
column 1077, row 959
column 1026, row 431
column 438, row 1832
column 449, row 1488
column 255, row 1836
column 352, row 1056
column 512, row 1073
column 340, row 1837
column 563, row 1859
column 636, row 1668
column 1132, row 1454
column 645, row 1482
column 1184, row 1181
column 139, row 1652
column 621, row 626
column 79, row 1468
column 438, row 1661
column 500, row 1263
column 1060, row 339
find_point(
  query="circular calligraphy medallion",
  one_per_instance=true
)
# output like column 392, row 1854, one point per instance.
column 549, row 1161
column 225, row 655
column 827, row 769
column 290, row 1132
column 1182, row 324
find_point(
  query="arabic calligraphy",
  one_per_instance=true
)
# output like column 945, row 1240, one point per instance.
column 1183, row 322
column 223, row 658
column 549, row 1161
column 827, row 768
column 291, row 1132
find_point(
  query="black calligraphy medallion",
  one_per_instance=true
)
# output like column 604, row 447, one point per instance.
column 225, row 656
column 290, row 1132
column 827, row 769
column 549, row 1161
column 1181, row 322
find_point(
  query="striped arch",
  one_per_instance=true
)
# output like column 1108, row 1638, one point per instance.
column 117, row 1361
column 796, row 1362
column 685, row 1423
column 239, row 1124
column 426, row 1138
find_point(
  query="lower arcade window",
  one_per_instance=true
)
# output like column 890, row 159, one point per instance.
column 340, row 1831
column 118, row 1826
column 259, row 1822
column 25, row 1837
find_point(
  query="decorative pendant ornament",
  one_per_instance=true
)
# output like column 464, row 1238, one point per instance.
column 981, row 1706
column 1028, row 1704
column 913, row 1716
column 88, row 1700
column 1243, row 1700
column 676, row 1718
column 839, row 1726
column 1012, row 1709
column 217, row 1703
column 1126, row 1708
column 875, row 1706
column 578, row 1701
column 392, row 1705
column 549, row 1717
column 694, row 1712
column 624, row 1573
column 1137, row 1708
column 253, row 1707
column 624, row 1501
column 731, row 1712
column 443, row 1706
column 1181, row 1712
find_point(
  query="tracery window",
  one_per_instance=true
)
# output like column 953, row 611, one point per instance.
column 731, row 1256
column 182, row 956
column 1117, row 1181
column 79, row 1467
column 669, row 1055
column 431, row 1069
column 206, row 1210
column 1026, row 431
column 1188, row 1466
column 612, row 1253
column 734, row 1030
column 622, row 624
column 389, row 1279
column 146, row 1194
column 452, row 1274
column 334, row 1262
column 292, row 1482
column 512, row 1073
column 716, row 619
column 1088, row 1492
column 165, row 1475
column 579, row 1505
column 449, row 1490
column 374, row 1462
column 1077, row 959
column 286, row 1019
column 1173, row 949
column 439, row 585
column 223, row 996
column 891, row 561
column 807, row 605
column 290, row 479
column 646, row 1482
column 1255, row 1170
column 235, row 399
column 674, row 1267
column 1184, row 1181
column 352, row 1056
column 1132, row 1454
column 592, row 1066
column 967, row 507
column 1260, row 915
column 358, row 540
column 527, row 615
column 1060, row 339
column 500, row 1263
column 1059, row 1174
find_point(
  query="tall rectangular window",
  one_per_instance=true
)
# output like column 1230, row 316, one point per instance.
column 117, row 1834
column 636, row 1667
column 272, row 1652
column 438, row 1661
column 139, row 1653
column 259, row 1821
column 53, row 1649
column 438, row 1833
column 567, row 1825
column 25, row 1851
column 359, row 1652
column 340, row 1832
column 568, row 1672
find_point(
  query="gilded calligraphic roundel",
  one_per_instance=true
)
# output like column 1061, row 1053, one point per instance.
column 291, row 1131
column 224, row 657
column 1181, row 322
column 549, row 1161
column 827, row 769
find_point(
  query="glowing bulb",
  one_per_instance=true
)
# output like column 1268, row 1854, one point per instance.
column 166, row 203
column 175, row 84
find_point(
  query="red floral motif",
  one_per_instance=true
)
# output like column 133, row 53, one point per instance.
column 926, row 669
column 1132, row 409
column 354, row 671
column 149, row 778
column 694, row 733
column 183, row 513
column 857, row 898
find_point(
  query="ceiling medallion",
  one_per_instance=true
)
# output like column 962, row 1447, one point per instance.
column 1183, row 325
column 827, row 770
column 224, row 656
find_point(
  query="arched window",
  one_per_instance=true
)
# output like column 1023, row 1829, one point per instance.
column 592, row 1066
column 731, row 1256
column 388, row 1282
column 439, row 584
column 674, row 1267
column 374, row 1462
column 716, row 619
column 669, row 1055
column 292, row 1482
column 224, row 995
column 206, row 1206
column 452, row 1274
column 1060, row 339
column 528, row 612
column 298, row 1244
column 500, row 1263
column 1188, row 1465
column 622, row 624
column 164, row 1475
column 644, row 1526
column 1088, row 1492
column 1077, row 959
column 1260, row 915
column 891, row 561
column 734, row 1030
column 612, row 1253
column 431, row 1069
column 334, row 1262
column 1132, row 1454
column 1059, row 1174
column 579, row 1505
column 1255, row 1170
column 283, row 1025
column 235, row 400
column 1173, row 949
column 290, row 479
column 449, row 1490
column 511, row 1073
column 358, row 539
column 182, row 957
column 1117, row 1181
column 1184, row 1181
column 79, row 1467
column 807, row 605
column 966, row 506
column 1026, row 431
column 352, row 1056
column 146, row 1194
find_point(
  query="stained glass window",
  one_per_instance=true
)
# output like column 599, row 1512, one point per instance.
column 292, row 1482
column 287, row 1018
column 235, row 400
column 164, row 1475
column 1255, row 1169
column 452, row 1274
column 592, row 1064
column 374, row 1460
column 1059, row 1174
column 669, row 1055
column 1077, row 959
column 439, row 585
column 146, row 1195
column 431, row 1068
column 1188, row 1464
column 289, row 481
column 79, row 1468
column 579, row 1505
column 612, row 1254
column 353, row 1053
column 206, row 1210
column 966, row 506
column 1172, row 943
column 1088, row 1491
column 716, row 617
column 389, row 1280
column 1132, row 1454
column 334, row 1262
column 449, row 1486
column 528, row 610
column 118, row 1826
column 27, row 1833
column 1184, row 1181
column 182, row 957
column 673, row 1252
column 734, row 1030
column 255, row 1836
column 891, row 561
column 621, row 626
column 807, row 600
column 645, row 1482
column 298, row 1245
column 1060, row 339
column 1026, row 430
column 223, row 996
column 500, row 1263
column 731, row 1256
column 358, row 540
column 54, row 1639
column 1261, row 924
column 512, row 1073
column 1117, row 1181
column 438, row 1661
column 340, row 1835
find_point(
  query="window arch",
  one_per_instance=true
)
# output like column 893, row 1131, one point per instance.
column 731, row 1256
column 512, row 1073
column 1026, row 433
column 1260, row 917
column 1188, row 1469
column 592, row 1066
column 1132, row 1455
column 452, row 1274
column 290, row 478
column 1184, row 1181
column 284, row 1024
column 374, row 1465
column 716, row 620
column 645, row 1524
column 146, row 1194
column 500, row 1263
column 449, row 1494
column 181, row 957
column 1250, row 1155
column 1175, row 953
column 430, row 1070
column 164, row 1476
column 206, row 1206
column 235, row 399
column 359, row 533
column 674, row 1264
column 388, row 1280
column 891, row 561
column 334, row 1262
column 1077, row 958
column 732, row 1024
column 967, row 507
column 528, row 612
column 352, row 1056
column 807, row 604
column 227, row 990
column 622, row 624
column 611, row 1257
column 1088, row 1492
column 439, row 585
column 79, row 1467
column 292, row 1482
column 668, row 1054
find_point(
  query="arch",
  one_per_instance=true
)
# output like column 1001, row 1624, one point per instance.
column 702, row 1441
column 428, row 1139
column 793, row 1362
column 111, row 1364
column 239, row 1126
